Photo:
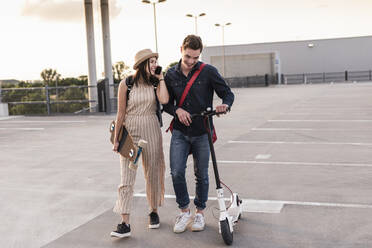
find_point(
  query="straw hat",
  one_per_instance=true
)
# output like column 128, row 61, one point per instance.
column 142, row 56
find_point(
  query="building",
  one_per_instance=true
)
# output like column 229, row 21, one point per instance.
column 316, row 60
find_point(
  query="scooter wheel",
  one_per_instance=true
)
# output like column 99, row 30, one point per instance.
column 238, row 201
column 226, row 233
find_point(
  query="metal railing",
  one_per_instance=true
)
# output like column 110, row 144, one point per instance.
column 327, row 77
column 75, row 99
column 304, row 78
column 46, row 100
column 251, row 81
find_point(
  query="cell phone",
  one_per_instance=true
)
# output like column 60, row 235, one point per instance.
column 158, row 70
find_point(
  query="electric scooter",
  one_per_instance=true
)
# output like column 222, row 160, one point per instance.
column 229, row 215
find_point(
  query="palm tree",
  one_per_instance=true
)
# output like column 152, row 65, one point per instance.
column 120, row 70
column 49, row 75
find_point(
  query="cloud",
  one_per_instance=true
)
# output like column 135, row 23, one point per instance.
column 63, row 10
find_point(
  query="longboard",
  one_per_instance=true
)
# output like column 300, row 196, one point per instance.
column 126, row 146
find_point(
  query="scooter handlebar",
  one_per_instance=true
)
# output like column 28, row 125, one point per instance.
column 209, row 112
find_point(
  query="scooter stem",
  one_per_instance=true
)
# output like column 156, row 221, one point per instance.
column 213, row 154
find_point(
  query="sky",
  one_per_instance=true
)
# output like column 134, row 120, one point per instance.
column 39, row 34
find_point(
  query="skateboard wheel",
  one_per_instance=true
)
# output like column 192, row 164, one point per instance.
column 131, row 153
column 142, row 143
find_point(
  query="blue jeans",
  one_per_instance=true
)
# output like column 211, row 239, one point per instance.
column 179, row 151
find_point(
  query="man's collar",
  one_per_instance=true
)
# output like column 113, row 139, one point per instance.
column 178, row 68
column 195, row 67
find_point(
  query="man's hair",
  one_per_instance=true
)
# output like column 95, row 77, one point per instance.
column 193, row 42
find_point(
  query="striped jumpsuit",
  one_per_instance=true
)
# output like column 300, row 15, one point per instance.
column 142, row 123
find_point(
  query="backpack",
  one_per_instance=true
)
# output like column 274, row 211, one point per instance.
column 129, row 82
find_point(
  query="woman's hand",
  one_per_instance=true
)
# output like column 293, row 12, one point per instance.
column 115, row 146
column 159, row 76
column 162, row 91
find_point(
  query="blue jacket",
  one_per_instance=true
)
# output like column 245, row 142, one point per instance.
column 199, row 98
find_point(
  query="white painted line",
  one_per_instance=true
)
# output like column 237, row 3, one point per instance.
column 262, row 206
column 249, row 205
column 327, row 204
column 283, row 129
column 319, row 120
column 293, row 163
column 331, row 108
column 275, row 206
column 103, row 117
column 297, row 143
column 305, row 129
column 263, row 156
column 7, row 118
column 323, row 113
column 165, row 196
column 23, row 128
column 43, row 122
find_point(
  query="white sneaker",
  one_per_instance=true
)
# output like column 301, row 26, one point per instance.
column 182, row 221
column 198, row 224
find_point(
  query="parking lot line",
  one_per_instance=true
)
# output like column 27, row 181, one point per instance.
column 1, row 122
column 275, row 206
column 249, row 205
column 23, row 128
column 293, row 163
column 10, row 117
column 283, row 129
column 319, row 120
column 297, row 143
column 324, row 113
column 263, row 156
column 305, row 129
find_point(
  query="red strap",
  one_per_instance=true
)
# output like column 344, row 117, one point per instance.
column 186, row 90
column 189, row 84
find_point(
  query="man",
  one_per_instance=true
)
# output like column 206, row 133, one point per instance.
column 190, row 135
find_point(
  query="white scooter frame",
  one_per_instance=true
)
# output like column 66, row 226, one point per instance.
column 230, row 215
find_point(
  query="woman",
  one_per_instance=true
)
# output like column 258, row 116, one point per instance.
column 139, row 115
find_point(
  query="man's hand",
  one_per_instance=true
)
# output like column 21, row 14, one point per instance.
column 183, row 116
column 222, row 108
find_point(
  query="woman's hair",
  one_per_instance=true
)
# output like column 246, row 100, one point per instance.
column 142, row 74
column 193, row 42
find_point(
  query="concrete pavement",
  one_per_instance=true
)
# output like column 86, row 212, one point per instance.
column 305, row 148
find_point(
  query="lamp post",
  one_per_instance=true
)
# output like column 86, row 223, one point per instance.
column 153, row 4
column 196, row 20
column 223, row 44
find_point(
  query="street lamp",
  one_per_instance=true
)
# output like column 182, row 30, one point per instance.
column 223, row 44
column 153, row 4
column 196, row 20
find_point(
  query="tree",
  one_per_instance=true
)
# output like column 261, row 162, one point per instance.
column 120, row 70
column 29, row 109
column 49, row 76
column 83, row 78
column 73, row 94
column 171, row 65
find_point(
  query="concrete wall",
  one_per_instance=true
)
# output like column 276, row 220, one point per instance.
column 253, row 64
column 4, row 109
column 295, row 57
